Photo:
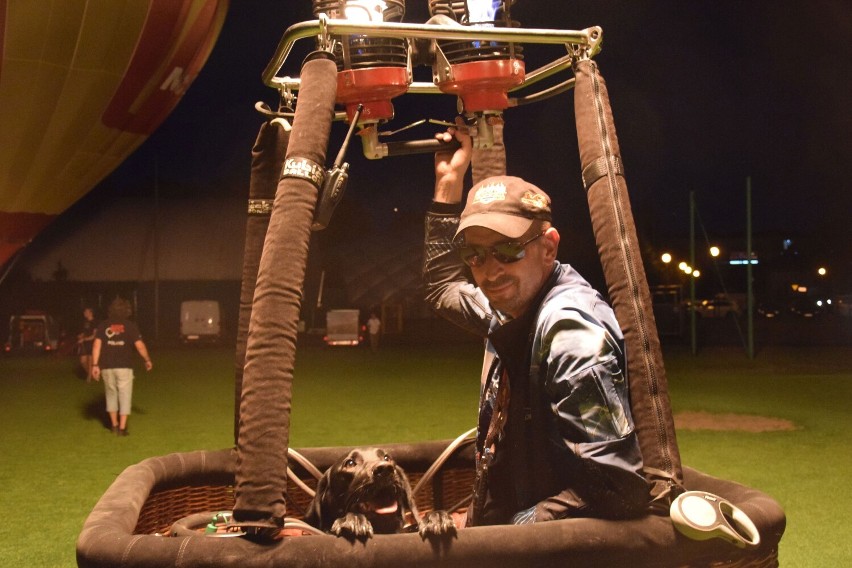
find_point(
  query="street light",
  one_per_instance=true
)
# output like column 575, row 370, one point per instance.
column 714, row 251
column 666, row 258
column 822, row 271
column 696, row 273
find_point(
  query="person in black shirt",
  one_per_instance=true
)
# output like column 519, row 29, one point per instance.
column 112, row 358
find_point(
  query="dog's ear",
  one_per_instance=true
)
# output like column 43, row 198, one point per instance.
column 314, row 515
column 407, row 497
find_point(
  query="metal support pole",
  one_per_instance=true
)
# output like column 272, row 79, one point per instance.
column 156, row 252
column 749, row 276
column 692, row 314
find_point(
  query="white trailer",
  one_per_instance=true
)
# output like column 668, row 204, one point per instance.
column 343, row 327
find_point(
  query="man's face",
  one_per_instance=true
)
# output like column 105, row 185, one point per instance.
column 511, row 287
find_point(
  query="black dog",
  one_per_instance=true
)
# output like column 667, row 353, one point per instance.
column 365, row 492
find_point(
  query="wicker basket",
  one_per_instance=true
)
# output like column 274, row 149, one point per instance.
column 164, row 507
column 130, row 525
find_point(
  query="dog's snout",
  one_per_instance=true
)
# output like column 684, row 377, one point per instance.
column 383, row 470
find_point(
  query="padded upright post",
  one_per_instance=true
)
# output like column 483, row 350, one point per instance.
column 618, row 246
column 264, row 430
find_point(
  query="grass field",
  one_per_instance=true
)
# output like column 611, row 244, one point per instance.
column 58, row 458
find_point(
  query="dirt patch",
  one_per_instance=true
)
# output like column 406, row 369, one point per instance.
column 727, row 422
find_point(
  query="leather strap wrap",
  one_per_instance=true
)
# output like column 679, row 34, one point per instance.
column 260, row 206
column 597, row 169
column 304, row 168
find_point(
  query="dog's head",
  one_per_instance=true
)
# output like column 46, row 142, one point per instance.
column 366, row 482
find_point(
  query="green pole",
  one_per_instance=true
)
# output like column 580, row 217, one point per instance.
column 692, row 314
column 156, row 251
column 749, row 278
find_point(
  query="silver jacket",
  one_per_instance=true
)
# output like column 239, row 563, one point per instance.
column 569, row 447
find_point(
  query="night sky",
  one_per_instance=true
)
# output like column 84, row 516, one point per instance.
column 704, row 93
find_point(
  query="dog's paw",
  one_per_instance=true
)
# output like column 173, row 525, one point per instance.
column 437, row 523
column 352, row 525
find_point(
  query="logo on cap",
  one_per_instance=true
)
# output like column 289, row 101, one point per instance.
column 534, row 200
column 490, row 193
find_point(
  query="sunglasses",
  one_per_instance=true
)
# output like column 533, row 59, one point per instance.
column 504, row 253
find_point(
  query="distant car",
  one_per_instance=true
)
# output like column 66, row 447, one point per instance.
column 32, row 333
column 768, row 310
column 843, row 305
column 717, row 308
column 805, row 307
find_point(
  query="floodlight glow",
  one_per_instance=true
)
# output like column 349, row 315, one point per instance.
column 365, row 10
column 482, row 11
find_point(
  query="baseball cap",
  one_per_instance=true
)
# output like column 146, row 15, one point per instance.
column 505, row 204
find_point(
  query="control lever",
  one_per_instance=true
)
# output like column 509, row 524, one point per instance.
column 335, row 181
column 482, row 133
column 420, row 147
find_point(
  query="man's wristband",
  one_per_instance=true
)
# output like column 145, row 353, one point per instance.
column 442, row 208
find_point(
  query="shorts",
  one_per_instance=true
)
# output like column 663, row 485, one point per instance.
column 118, row 386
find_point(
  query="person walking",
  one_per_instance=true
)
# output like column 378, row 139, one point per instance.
column 85, row 340
column 112, row 358
column 374, row 327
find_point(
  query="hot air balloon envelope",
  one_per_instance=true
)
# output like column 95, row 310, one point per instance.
column 82, row 84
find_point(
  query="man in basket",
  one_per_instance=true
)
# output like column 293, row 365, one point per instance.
column 555, row 437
